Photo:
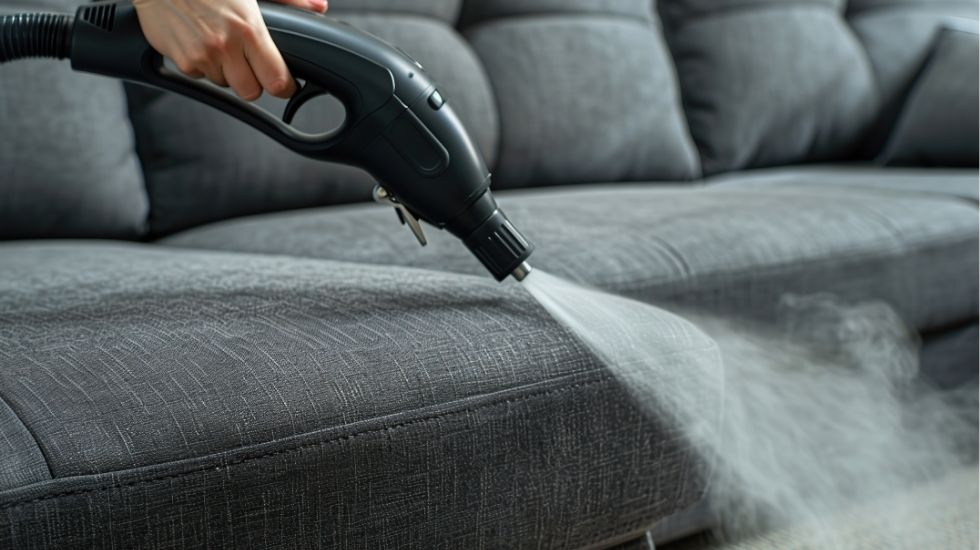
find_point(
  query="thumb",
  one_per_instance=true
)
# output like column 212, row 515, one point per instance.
column 318, row 6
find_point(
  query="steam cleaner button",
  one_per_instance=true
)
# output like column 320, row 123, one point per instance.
column 436, row 101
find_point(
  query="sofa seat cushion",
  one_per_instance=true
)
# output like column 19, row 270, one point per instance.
column 184, row 399
column 734, row 250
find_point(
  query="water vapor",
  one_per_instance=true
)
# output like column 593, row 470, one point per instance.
column 818, row 412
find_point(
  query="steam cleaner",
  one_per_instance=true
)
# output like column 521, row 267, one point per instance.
column 398, row 126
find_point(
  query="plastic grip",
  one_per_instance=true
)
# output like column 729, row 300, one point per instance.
column 311, row 45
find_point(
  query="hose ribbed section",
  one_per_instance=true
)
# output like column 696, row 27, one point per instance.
column 34, row 35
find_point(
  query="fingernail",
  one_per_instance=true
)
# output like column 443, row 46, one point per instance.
column 319, row 5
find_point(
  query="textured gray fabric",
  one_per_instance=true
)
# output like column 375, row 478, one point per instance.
column 861, row 6
column 583, row 99
column 202, row 165
column 960, row 183
column 191, row 399
column 897, row 35
column 950, row 358
column 735, row 251
column 447, row 10
column 448, row 479
column 684, row 9
column 769, row 84
column 478, row 11
column 68, row 160
column 21, row 460
column 938, row 125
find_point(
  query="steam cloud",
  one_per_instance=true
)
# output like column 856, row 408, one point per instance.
column 818, row 416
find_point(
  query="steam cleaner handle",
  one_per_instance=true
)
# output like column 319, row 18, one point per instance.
column 331, row 57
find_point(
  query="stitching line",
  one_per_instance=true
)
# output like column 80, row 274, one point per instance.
column 4, row 403
column 289, row 450
column 855, row 255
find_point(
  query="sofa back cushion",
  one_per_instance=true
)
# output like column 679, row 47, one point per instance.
column 938, row 124
column 770, row 82
column 69, row 166
column 587, row 92
column 897, row 35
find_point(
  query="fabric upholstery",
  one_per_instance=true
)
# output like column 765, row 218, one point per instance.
column 445, row 10
column 944, row 354
column 897, row 35
column 938, row 124
column 202, row 165
column 583, row 99
column 769, row 83
column 68, row 159
column 198, row 399
column 480, row 11
column 729, row 250
column 23, row 463
column 914, row 181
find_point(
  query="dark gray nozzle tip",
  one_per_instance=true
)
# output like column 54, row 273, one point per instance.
column 499, row 246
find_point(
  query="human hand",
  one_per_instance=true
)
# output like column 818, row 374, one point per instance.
column 224, row 40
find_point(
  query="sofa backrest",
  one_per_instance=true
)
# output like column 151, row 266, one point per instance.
column 553, row 91
column 897, row 36
column 67, row 163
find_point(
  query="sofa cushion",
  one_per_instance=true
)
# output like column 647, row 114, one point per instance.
column 729, row 250
column 769, row 82
column 69, row 163
column 938, row 124
column 897, row 35
column 586, row 91
column 187, row 399
column 202, row 165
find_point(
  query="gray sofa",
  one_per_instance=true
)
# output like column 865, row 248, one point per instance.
column 208, row 341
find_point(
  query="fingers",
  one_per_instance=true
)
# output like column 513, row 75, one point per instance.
column 238, row 74
column 225, row 41
column 319, row 6
column 268, row 65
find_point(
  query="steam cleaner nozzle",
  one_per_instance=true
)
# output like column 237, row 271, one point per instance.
column 493, row 239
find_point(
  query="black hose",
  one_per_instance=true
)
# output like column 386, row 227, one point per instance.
column 35, row 35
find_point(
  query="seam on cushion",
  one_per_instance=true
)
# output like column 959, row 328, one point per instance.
column 37, row 444
column 787, row 266
column 338, row 440
column 920, row 193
